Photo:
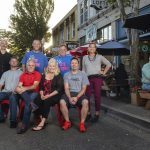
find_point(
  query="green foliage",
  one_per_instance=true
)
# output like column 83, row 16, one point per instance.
column 30, row 21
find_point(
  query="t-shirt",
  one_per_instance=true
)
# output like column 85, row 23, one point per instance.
column 4, row 62
column 10, row 80
column 146, row 73
column 94, row 67
column 41, row 60
column 64, row 63
column 76, row 81
column 28, row 79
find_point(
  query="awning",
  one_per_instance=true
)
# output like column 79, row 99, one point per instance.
column 141, row 22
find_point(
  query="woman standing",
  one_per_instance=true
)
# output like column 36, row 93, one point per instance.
column 51, row 89
column 91, row 64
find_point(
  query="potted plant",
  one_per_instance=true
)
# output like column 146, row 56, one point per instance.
column 135, row 97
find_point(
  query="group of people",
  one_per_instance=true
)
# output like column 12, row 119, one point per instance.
column 41, row 84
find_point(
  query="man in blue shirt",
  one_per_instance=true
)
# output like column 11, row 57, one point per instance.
column 41, row 60
column 63, row 60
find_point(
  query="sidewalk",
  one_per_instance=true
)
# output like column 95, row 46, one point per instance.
column 136, row 115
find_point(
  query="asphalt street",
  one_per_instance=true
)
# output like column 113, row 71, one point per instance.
column 107, row 134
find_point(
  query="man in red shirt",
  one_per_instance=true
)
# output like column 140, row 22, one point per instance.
column 27, row 89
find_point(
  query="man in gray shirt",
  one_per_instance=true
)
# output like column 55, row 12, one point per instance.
column 75, row 83
column 8, row 83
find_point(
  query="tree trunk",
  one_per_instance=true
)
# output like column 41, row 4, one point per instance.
column 133, row 37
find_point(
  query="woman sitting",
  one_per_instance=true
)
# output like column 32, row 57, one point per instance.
column 51, row 89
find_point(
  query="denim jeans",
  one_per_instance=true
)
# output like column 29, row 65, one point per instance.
column 3, row 96
column 146, row 86
column 27, row 97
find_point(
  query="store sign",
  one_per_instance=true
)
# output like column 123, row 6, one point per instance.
column 91, row 33
column 144, row 46
column 99, row 4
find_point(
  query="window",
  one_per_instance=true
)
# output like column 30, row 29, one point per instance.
column 61, row 34
column 104, row 34
column 82, row 40
column 67, row 32
column 83, row 11
column 73, row 29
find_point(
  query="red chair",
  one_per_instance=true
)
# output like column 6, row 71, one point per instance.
column 5, row 107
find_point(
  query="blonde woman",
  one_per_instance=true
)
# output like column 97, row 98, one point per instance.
column 51, row 89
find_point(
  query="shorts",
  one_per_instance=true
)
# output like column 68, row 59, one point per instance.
column 74, row 94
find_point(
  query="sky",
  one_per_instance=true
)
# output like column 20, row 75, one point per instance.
column 6, row 9
column 60, row 10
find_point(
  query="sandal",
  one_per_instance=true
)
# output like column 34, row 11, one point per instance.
column 40, row 128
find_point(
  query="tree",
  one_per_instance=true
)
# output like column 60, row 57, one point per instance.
column 30, row 21
column 132, row 34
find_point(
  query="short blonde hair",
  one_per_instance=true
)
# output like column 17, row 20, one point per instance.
column 53, row 61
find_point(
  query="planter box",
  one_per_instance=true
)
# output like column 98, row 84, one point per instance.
column 136, row 100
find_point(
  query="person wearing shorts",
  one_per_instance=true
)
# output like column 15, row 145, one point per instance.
column 75, row 83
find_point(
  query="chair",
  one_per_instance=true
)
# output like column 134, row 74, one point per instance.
column 5, row 107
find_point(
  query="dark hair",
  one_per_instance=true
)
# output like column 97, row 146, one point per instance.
column 14, row 57
column 37, row 40
column 63, row 45
column 74, row 58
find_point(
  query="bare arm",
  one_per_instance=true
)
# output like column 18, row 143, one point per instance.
column 82, row 92
column 1, row 87
column 67, row 91
column 20, row 89
column 32, row 87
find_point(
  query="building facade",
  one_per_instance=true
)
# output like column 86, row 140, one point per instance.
column 65, row 32
column 103, row 24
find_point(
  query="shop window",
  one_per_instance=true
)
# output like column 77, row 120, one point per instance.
column 104, row 34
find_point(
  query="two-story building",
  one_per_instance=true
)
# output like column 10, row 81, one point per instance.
column 65, row 32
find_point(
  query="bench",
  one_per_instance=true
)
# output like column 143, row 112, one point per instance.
column 145, row 95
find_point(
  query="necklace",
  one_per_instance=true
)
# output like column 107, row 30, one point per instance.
column 91, row 59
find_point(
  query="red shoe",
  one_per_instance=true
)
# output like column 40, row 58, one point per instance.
column 82, row 127
column 67, row 125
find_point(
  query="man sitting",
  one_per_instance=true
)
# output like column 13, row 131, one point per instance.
column 26, row 90
column 146, row 76
column 75, row 83
column 8, row 83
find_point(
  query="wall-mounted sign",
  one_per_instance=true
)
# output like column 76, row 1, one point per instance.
column 99, row 4
column 91, row 33
column 144, row 46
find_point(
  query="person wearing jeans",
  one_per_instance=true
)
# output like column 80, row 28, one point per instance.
column 91, row 64
column 28, row 98
column 27, row 90
column 8, row 83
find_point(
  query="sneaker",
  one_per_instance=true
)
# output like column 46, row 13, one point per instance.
column 88, row 118
column 67, row 125
column 82, row 127
column 13, row 124
column 95, row 119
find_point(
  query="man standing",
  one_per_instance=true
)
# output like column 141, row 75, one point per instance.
column 63, row 60
column 9, row 81
column 75, row 83
column 40, row 59
column 4, row 57
column 26, row 90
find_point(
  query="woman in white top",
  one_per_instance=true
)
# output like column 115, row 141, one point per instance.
column 91, row 64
